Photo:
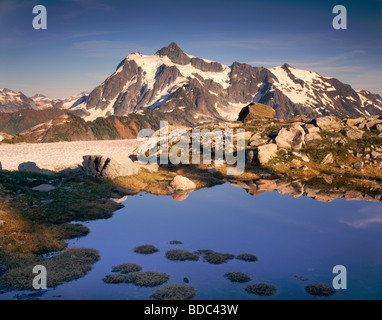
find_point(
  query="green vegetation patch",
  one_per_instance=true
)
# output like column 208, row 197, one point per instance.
column 115, row 278
column 175, row 242
column 215, row 257
column 146, row 249
column 127, row 268
column 69, row 265
column 246, row 257
column 261, row 289
column 181, row 255
column 174, row 292
column 147, row 278
column 319, row 289
column 237, row 277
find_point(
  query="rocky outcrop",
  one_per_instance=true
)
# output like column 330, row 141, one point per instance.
column 256, row 111
column 175, row 54
column 266, row 153
column 292, row 136
column 329, row 123
column 109, row 167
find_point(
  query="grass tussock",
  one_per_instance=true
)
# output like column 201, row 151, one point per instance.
column 175, row 292
column 247, row 257
column 237, row 277
column 181, row 255
column 127, row 268
column 69, row 265
column 173, row 242
column 213, row 257
column 319, row 289
column 146, row 249
column 147, row 278
column 261, row 289
column 114, row 278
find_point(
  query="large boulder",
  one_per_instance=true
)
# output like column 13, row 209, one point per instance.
column 329, row 123
column 255, row 111
column 354, row 134
column 292, row 136
column 180, row 183
column 266, row 153
column 109, row 167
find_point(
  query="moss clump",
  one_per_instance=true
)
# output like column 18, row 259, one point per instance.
column 175, row 242
column 181, row 255
column 147, row 278
column 69, row 265
column 72, row 230
column 301, row 278
column 174, row 292
column 237, row 277
column 215, row 257
column 246, row 257
column 146, row 249
column 127, row 268
column 114, row 278
column 261, row 289
column 319, row 289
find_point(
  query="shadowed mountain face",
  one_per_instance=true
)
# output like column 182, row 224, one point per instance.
column 173, row 79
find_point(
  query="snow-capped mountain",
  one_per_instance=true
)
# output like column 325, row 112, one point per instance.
column 12, row 101
column 173, row 79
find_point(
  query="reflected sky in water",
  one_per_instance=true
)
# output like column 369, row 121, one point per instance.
column 290, row 237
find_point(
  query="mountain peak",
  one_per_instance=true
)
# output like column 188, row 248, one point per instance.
column 175, row 54
column 286, row 66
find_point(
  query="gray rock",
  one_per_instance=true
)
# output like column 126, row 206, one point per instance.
column 376, row 155
column 353, row 195
column 266, row 153
column 255, row 111
column 180, row 183
column 293, row 135
column 109, row 167
column 206, row 66
column 44, row 188
column 354, row 134
column 358, row 165
column 329, row 123
column 303, row 157
column 328, row 178
column 328, row 159
column 372, row 124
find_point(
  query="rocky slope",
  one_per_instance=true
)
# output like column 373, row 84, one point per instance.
column 172, row 79
column 12, row 101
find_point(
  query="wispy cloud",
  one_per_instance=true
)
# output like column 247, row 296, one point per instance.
column 366, row 217
column 106, row 48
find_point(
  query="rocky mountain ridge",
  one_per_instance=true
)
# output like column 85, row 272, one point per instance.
column 173, row 79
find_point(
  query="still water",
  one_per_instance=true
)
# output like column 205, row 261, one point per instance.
column 290, row 237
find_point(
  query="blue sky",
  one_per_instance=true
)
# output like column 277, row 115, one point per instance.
column 86, row 39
